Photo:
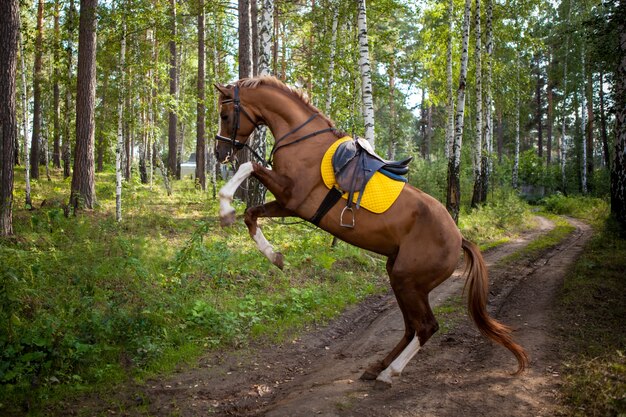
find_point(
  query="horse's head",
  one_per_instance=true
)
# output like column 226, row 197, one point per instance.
column 234, row 129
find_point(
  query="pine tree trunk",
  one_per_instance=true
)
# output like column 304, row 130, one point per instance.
column 478, row 144
column 9, row 31
column 453, row 197
column 366, row 75
column 37, row 78
column 173, row 117
column 200, row 117
column 618, row 172
column 83, row 193
column 563, row 144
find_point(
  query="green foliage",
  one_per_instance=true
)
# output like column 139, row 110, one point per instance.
column 590, row 209
column 592, row 303
column 502, row 217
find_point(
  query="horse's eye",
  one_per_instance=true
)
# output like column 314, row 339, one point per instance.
column 224, row 116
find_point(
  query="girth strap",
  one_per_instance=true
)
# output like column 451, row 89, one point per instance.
column 329, row 201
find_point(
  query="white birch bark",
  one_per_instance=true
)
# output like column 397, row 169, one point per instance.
column 27, row 200
column 453, row 198
column 563, row 147
column 331, row 64
column 450, row 104
column 366, row 75
column 265, row 33
column 120, row 138
column 489, row 98
column 478, row 143
column 584, row 128
column 517, row 125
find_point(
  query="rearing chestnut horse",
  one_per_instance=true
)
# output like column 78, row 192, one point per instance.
column 416, row 234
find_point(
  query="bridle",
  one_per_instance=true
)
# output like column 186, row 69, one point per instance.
column 234, row 143
column 278, row 144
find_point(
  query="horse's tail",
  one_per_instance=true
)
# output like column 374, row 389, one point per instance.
column 478, row 282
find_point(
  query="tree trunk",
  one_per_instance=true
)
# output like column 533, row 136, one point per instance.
column 515, row 174
column 550, row 121
column 450, row 103
column 37, row 78
column 590, row 120
column 27, row 199
column 101, row 144
column 331, row 63
column 120, row 122
column 9, row 30
column 453, row 197
column 83, row 187
column 583, row 165
column 391, row 150
column 539, row 117
column 200, row 122
column 603, row 130
column 254, row 31
column 618, row 173
column 366, row 75
column 56, row 147
column 173, row 117
column 563, row 145
column 478, row 144
column 66, row 151
column 488, row 131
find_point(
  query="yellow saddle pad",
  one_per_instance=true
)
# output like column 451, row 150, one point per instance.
column 380, row 192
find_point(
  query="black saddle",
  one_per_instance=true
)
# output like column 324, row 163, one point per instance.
column 354, row 164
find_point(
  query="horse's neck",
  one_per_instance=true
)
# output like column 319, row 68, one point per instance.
column 289, row 120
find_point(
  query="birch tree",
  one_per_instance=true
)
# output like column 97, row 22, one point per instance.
column 618, row 172
column 27, row 199
column 172, row 163
column 366, row 74
column 583, row 105
column 200, row 116
column 453, row 197
column 478, row 143
column 120, row 121
column 450, row 103
column 37, row 111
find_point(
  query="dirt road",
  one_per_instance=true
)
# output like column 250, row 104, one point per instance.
column 458, row 372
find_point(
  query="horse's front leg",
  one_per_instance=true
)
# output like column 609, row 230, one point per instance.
column 226, row 194
column 272, row 209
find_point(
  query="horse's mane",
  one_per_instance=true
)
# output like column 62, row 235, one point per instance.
column 271, row 81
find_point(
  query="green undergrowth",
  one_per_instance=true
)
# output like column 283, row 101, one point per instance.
column 87, row 303
column 592, row 313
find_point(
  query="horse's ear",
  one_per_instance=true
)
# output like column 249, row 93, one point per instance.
column 222, row 89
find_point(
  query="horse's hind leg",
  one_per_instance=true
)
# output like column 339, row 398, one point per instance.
column 421, row 320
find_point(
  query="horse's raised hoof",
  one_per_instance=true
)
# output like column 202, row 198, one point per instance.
column 279, row 260
column 227, row 219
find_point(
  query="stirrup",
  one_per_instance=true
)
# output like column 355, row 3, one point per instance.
column 341, row 222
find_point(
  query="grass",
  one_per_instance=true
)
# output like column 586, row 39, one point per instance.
column 593, row 316
column 87, row 303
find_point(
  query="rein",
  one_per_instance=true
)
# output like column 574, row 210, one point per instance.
column 236, row 145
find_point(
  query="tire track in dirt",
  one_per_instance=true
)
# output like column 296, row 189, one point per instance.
column 457, row 373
